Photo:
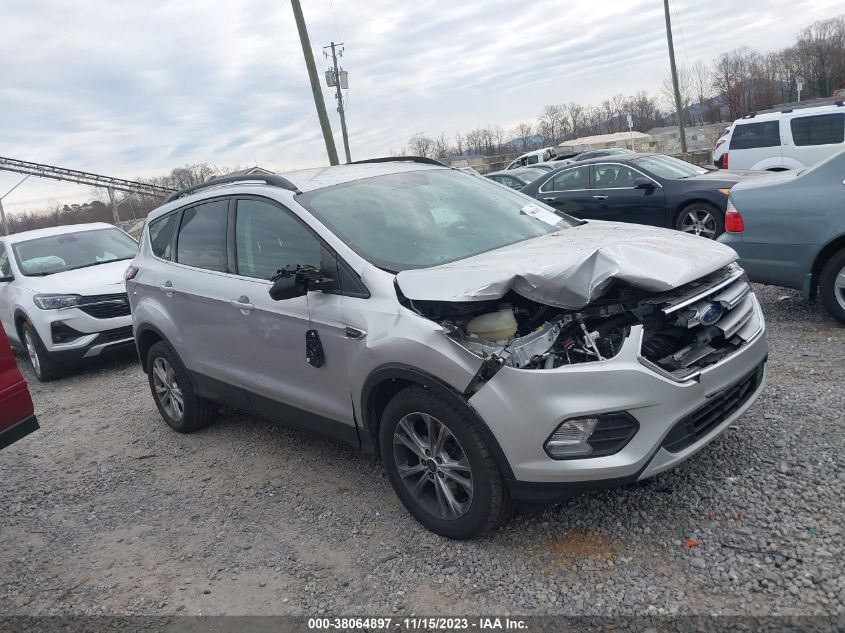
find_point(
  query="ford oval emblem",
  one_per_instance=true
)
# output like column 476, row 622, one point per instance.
column 711, row 314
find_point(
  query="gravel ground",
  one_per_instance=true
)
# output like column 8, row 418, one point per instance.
column 106, row 510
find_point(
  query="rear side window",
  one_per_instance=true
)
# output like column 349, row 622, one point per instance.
column 751, row 135
column 269, row 238
column 569, row 180
column 202, row 236
column 161, row 235
column 822, row 129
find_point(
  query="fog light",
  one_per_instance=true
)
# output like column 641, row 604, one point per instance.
column 602, row 435
column 570, row 438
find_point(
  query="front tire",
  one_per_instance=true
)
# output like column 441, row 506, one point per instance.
column 832, row 286
column 45, row 368
column 174, row 393
column 702, row 219
column 440, row 466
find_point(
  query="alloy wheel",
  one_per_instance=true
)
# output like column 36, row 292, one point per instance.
column 432, row 465
column 839, row 288
column 699, row 222
column 167, row 389
column 33, row 352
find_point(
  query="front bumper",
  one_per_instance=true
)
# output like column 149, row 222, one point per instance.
column 523, row 407
column 95, row 335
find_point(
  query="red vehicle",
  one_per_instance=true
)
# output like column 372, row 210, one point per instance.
column 17, row 417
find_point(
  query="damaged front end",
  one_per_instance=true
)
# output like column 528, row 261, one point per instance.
column 683, row 330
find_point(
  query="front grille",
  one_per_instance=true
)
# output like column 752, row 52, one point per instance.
column 106, row 306
column 701, row 324
column 110, row 336
column 720, row 407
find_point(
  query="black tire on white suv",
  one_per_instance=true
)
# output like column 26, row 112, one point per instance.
column 45, row 368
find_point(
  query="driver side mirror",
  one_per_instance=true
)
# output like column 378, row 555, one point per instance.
column 305, row 278
column 643, row 183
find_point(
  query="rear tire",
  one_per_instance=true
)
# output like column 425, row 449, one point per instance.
column 174, row 393
column 702, row 219
column 449, row 480
column 45, row 368
column 832, row 286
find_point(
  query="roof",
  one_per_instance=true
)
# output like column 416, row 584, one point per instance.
column 304, row 179
column 319, row 177
column 517, row 171
column 769, row 116
column 55, row 230
column 602, row 138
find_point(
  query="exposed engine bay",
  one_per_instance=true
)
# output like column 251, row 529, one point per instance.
column 684, row 330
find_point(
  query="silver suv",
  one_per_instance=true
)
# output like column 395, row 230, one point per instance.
column 489, row 349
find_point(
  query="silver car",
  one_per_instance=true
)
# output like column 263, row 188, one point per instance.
column 489, row 349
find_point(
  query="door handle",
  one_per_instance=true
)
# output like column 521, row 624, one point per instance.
column 168, row 288
column 354, row 333
column 242, row 303
column 600, row 197
column 549, row 199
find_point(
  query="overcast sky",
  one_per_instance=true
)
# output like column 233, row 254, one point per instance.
column 132, row 89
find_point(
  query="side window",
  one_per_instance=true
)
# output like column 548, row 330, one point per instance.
column 513, row 183
column 569, row 180
column 161, row 235
column 752, row 135
column 5, row 266
column 822, row 129
column 202, row 236
column 269, row 238
column 614, row 176
column 532, row 159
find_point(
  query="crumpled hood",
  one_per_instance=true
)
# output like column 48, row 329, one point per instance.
column 103, row 279
column 571, row 268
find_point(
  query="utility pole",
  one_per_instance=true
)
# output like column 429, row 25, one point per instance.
column 315, row 82
column 113, row 207
column 4, row 224
column 678, row 109
column 339, row 96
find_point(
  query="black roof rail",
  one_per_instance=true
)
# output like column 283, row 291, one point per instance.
column 839, row 103
column 401, row 159
column 787, row 111
column 271, row 179
column 750, row 115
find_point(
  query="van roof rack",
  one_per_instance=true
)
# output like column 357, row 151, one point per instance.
column 401, row 159
column 273, row 180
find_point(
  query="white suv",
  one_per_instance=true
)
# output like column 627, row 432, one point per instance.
column 787, row 139
column 62, row 295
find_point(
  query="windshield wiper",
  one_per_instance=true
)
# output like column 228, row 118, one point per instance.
column 107, row 261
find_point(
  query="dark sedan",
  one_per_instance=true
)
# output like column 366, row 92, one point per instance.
column 643, row 188
column 517, row 178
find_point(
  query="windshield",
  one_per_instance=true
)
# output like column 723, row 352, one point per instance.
column 668, row 167
column 423, row 218
column 58, row 253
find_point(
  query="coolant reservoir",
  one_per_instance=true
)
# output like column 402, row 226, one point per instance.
column 494, row 326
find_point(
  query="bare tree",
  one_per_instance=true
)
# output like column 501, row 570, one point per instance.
column 821, row 47
column 550, row 122
column 421, row 145
column 575, row 112
column 521, row 135
column 459, row 144
column 685, row 89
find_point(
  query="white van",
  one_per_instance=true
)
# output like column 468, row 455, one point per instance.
column 787, row 139
column 541, row 155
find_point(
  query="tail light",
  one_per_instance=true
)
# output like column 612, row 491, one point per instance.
column 725, row 160
column 733, row 219
column 130, row 273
